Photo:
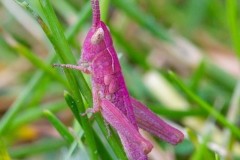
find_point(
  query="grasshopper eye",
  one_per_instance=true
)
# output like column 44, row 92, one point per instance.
column 97, row 36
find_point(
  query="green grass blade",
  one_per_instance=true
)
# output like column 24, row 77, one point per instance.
column 104, row 6
column 144, row 20
column 73, row 106
column 83, row 16
column 54, row 32
column 220, row 76
column 62, row 48
column 60, row 127
column 35, row 113
column 18, row 103
column 201, row 150
column 232, row 17
column 3, row 151
column 63, row 6
column 133, row 54
column 196, row 12
column 196, row 77
column 43, row 146
column 39, row 63
column 176, row 114
column 220, row 118
column 217, row 157
column 103, row 152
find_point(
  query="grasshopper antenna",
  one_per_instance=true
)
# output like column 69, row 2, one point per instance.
column 95, row 12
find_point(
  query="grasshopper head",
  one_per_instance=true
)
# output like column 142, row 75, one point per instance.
column 97, row 40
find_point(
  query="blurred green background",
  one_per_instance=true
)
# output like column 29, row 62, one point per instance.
column 179, row 57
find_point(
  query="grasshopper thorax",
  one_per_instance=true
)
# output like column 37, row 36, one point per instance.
column 97, row 40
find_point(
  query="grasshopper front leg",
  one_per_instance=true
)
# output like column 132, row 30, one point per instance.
column 82, row 66
column 86, row 68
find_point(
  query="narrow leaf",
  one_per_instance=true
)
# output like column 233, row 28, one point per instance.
column 220, row 118
column 60, row 127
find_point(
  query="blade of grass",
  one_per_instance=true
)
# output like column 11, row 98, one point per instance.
column 56, row 36
column 134, row 82
column 38, row 94
column 104, row 154
column 196, row 11
column 24, row 19
column 71, row 150
column 196, row 77
column 5, row 48
column 176, row 114
column 104, row 5
column 24, row 51
column 133, row 54
column 35, row 113
column 144, row 20
column 18, row 103
column 43, row 146
column 220, row 118
column 3, row 151
column 232, row 116
column 219, row 76
column 63, row 6
column 83, row 16
column 60, row 127
column 192, row 136
column 77, row 145
column 232, row 16
column 202, row 151
column 73, row 106
column 40, row 64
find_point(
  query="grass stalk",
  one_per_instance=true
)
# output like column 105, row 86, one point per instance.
column 220, row 118
column 35, row 113
column 143, row 19
column 43, row 146
column 56, row 36
column 232, row 14
column 60, row 127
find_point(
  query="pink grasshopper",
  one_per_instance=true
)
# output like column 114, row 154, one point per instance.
column 111, row 97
